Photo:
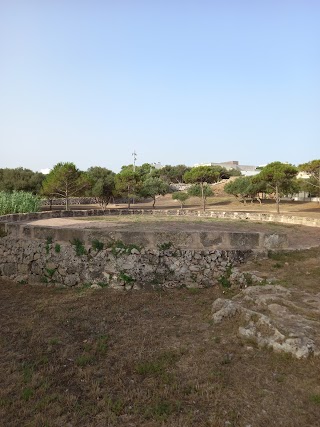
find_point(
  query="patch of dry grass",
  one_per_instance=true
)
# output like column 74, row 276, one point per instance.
column 141, row 358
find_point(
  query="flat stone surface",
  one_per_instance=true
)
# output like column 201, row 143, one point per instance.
column 298, row 236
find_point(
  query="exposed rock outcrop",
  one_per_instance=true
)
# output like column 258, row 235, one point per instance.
column 273, row 316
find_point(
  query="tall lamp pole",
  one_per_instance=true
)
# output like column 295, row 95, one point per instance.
column 134, row 154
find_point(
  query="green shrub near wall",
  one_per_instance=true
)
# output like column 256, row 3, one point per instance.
column 18, row 202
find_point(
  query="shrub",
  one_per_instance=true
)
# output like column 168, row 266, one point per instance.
column 18, row 202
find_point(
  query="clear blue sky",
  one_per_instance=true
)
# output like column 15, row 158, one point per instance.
column 178, row 81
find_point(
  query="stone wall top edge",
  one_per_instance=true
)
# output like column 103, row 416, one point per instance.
column 260, row 216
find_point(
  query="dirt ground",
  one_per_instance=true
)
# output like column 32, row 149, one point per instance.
column 82, row 357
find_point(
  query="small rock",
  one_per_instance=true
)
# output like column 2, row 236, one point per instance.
column 95, row 286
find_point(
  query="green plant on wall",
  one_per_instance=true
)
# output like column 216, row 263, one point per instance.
column 3, row 232
column 164, row 246
column 50, row 272
column 119, row 248
column 224, row 279
column 48, row 244
column 78, row 247
column 97, row 245
column 126, row 278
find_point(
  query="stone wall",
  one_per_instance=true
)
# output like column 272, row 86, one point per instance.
column 71, row 256
column 118, row 265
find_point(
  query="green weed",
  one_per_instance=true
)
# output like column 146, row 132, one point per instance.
column 224, row 279
column 315, row 398
column 84, row 360
column 164, row 246
column 118, row 248
column 27, row 393
column 48, row 244
column 126, row 278
column 78, row 247
column 97, row 245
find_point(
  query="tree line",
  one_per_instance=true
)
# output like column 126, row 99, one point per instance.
column 65, row 180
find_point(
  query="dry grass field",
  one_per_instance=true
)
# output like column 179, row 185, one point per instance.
column 83, row 357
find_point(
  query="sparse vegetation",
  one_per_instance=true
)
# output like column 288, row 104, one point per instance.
column 224, row 279
column 79, row 247
column 119, row 248
column 126, row 278
column 164, row 246
column 48, row 244
column 97, row 245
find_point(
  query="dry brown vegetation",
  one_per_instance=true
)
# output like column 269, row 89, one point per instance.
column 83, row 357
column 80, row 357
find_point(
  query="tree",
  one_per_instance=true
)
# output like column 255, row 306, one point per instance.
column 127, row 184
column 171, row 174
column 244, row 188
column 181, row 196
column 153, row 187
column 65, row 181
column 20, row 179
column 102, row 184
column 202, row 191
column 279, row 179
column 312, row 168
column 202, row 175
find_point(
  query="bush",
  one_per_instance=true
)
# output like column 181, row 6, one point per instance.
column 18, row 202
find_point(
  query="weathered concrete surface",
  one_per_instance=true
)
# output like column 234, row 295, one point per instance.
column 273, row 316
column 182, row 236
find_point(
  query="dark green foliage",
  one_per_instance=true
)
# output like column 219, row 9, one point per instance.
column 201, row 176
column 3, row 232
column 164, row 246
column 245, row 188
column 65, row 181
column 279, row 179
column 57, row 248
column 97, row 245
column 128, row 184
column 153, row 187
column 50, row 272
column 102, row 185
column 181, row 196
column 79, row 247
column 171, row 174
column 312, row 168
column 48, row 244
column 20, row 179
column 224, row 279
column 126, row 278
column 201, row 190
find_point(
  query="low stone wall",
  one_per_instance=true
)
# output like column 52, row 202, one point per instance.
column 124, row 258
column 118, row 266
